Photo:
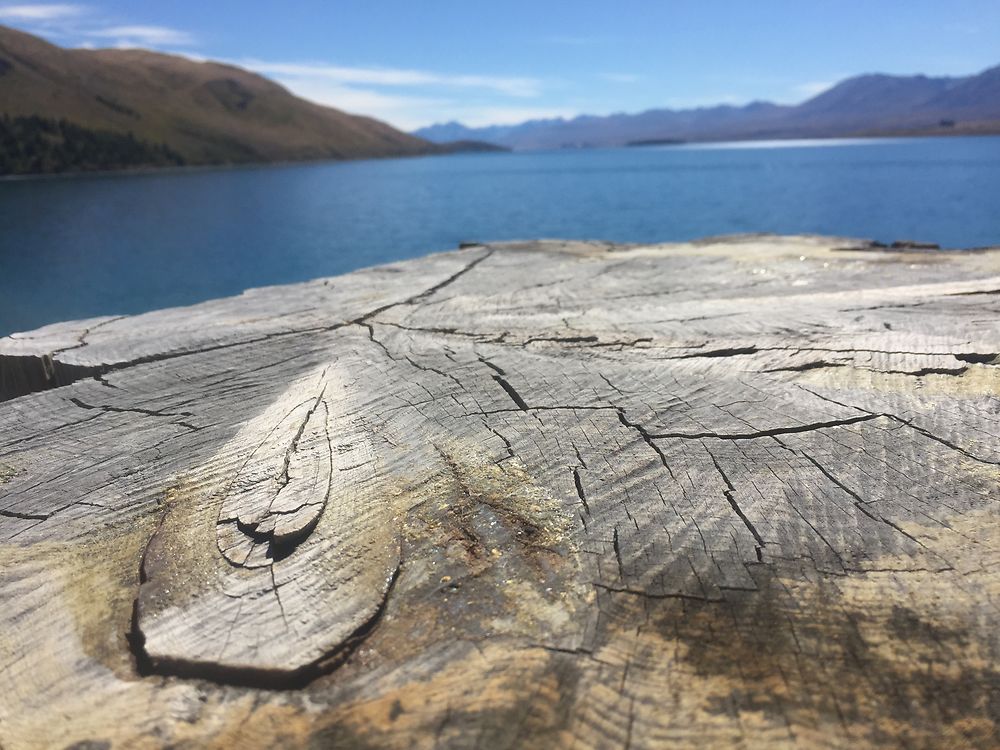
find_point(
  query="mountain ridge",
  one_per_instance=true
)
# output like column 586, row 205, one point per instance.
column 864, row 105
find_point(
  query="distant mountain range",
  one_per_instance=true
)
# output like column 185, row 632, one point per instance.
column 867, row 105
column 77, row 109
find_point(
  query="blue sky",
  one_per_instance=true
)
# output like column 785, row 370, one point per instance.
column 413, row 63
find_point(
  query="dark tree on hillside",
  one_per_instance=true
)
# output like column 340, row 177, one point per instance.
column 37, row 145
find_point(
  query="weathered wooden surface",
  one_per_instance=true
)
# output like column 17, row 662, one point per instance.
column 737, row 492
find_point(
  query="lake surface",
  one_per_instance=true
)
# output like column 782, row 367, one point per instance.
column 84, row 246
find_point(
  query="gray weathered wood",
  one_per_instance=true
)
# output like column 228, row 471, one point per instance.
column 740, row 491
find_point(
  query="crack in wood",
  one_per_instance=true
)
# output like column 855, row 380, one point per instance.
column 263, row 503
column 732, row 498
column 730, row 492
column 790, row 430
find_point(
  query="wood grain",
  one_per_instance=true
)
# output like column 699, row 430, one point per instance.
column 742, row 491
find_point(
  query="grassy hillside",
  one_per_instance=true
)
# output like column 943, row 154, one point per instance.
column 202, row 112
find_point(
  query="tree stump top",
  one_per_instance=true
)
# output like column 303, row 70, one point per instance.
column 740, row 491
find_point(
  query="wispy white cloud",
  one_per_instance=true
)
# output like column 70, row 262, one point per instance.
column 509, row 86
column 407, row 98
column 403, row 111
column 143, row 36
column 84, row 26
column 412, row 108
column 41, row 13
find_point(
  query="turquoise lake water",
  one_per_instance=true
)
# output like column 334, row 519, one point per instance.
column 79, row 247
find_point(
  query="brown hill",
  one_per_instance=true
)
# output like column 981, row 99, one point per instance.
column 208, row 113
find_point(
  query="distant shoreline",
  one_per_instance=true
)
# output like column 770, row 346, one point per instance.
column 199, row 168
column 881, row 136
column 656, row 142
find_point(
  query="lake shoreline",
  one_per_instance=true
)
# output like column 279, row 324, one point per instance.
column 243, row 166
column 248, row 166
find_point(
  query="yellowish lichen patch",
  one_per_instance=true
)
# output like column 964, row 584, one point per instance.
column 975, row 382
column 95, row 578
column 182, row 558
column 510, row 491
